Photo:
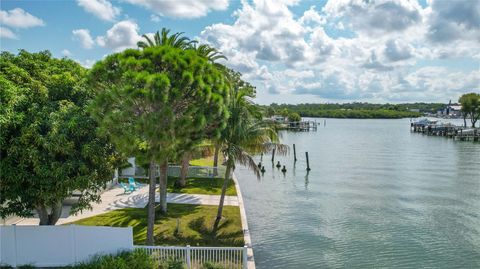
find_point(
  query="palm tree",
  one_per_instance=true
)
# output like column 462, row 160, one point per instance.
column 163, row 38
column 210, row 53
column 245, row 133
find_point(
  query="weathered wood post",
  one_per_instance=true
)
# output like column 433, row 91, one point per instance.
column 294, row 153
column 308, row 163
column 273, row 155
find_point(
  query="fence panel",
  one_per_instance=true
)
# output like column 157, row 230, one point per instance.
column 196, row 257
column 47, row 246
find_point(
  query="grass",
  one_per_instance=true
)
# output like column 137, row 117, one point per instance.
column 212, row 186
column 207, row 161
column 195, row 226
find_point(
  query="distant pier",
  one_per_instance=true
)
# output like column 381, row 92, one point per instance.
column 433, row 128
column 308, row 125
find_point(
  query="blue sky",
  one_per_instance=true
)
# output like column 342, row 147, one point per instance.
column 293, row 51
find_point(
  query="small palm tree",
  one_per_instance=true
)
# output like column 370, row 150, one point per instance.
column 245, row 133
column 210, row 53
column 163, row 38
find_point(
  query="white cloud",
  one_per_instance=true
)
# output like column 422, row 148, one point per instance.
column 88, row 63
column 122, row 35
column 283, row 54
column 7, row 33
column 155, row 18
column 454, row 20
column 19, row 18
column 83, row 35
column 376, row 17
column 66, row 53
column 102, row 9
column 182, row 8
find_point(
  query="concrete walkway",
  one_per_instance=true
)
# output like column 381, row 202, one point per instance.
column 116, row 199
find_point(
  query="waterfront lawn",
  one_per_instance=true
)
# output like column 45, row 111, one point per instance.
column 207, row 161
column 196, row 222
column 212, row 186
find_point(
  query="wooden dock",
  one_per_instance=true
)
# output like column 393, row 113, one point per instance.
column 301, row 126
column 432, row 128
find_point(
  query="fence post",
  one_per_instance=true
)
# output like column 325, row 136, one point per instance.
column 189, row 265
column 245, row 257
column 15, row 244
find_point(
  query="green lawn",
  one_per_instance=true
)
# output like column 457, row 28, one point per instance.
column 203, row 186
column 197, row 186
column 196, row 222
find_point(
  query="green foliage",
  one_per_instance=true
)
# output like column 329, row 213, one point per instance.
column 158, row 101
column 172, row 264
column 294, row 117
column 470, row 106
column 49, row 143
column 211, row 265
column 137, row 259
column 357, row 110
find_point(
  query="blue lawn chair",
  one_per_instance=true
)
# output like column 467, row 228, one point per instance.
column 126, row 188
column 133, row 183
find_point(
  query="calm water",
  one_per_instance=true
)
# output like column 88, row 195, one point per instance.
column 378, row 196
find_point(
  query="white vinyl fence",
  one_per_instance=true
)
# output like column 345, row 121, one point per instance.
column 195, row 257
column 52, row 246
column 56, row 246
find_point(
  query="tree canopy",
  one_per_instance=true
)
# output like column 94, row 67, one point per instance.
column 471, row 106
column 49, row 144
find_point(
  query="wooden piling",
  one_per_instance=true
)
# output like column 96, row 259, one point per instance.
column 308, row 163
column 294, row 153
column 273, row 155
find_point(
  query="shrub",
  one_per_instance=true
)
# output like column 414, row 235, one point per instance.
column 172, row 264
column 137, row 259
column 211, row 265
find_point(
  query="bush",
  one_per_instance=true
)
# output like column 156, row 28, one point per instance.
column 211, row 265
column 137, row 259
column 172, row 264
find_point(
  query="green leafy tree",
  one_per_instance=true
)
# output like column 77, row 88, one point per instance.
column 212, row 55
column 246, row 133
column 49, row 144
column 470, row 107
column 155, row 103
column 294, row 117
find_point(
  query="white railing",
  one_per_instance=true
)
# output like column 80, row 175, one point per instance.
column 193, row 171
column 197, row 171
column 195, row 257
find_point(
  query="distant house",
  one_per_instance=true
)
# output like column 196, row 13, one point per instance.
column 279, row 119
column 451, row 110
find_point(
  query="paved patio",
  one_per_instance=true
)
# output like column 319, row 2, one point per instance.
column 116, row 199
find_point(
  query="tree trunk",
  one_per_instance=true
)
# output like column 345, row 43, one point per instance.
column 465, row 120
column 182, row 181
column 222, row 197
column 151, row 204
column 473, row 119
column 215, row 155
column 215, row 159
column 52, row 217
column 163, row 187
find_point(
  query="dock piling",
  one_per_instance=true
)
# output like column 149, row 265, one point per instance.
column 294, row 153
column 308, row 163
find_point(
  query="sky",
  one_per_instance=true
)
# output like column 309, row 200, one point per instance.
column 293, row 51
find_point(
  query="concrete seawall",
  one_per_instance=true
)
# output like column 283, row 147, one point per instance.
column 246, row 230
